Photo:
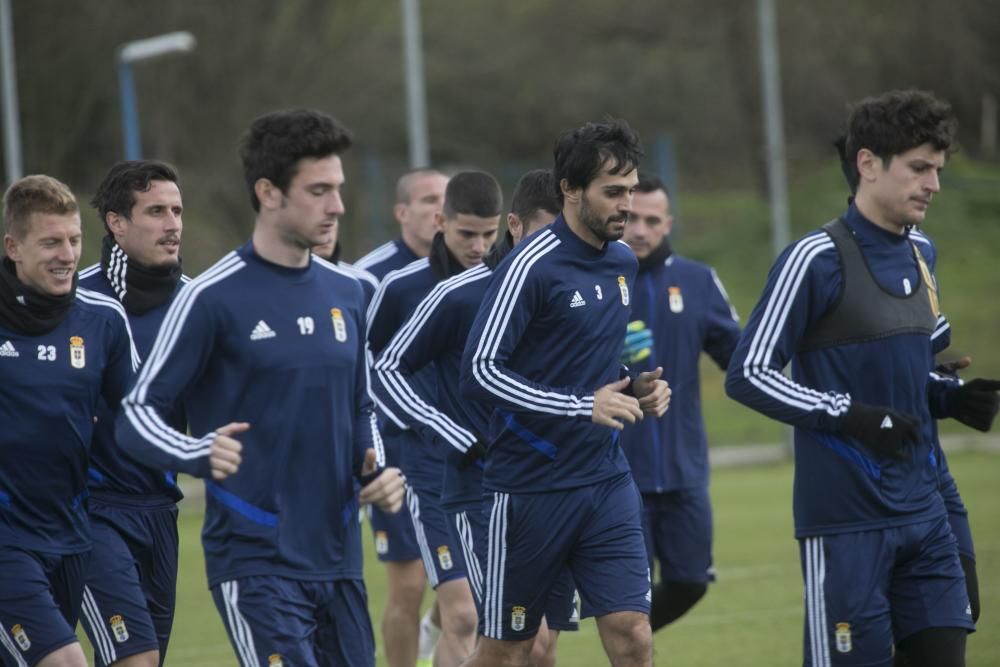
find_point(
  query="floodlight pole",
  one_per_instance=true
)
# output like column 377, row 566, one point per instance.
column 136, row 51
column 11, row 120
column 416, row 99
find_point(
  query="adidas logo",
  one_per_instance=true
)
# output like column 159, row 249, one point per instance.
column 7, row 350
column 262, row 331
column 577, row 300
column 886, row 423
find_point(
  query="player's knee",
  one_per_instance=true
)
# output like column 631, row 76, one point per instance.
column 146, row 659
column 67, row 656
column 406, row 584
column 460, row 620
column 543, row 650
column 627, row 636
column 501, row 653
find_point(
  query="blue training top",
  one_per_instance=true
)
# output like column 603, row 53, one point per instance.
column 686, row 308
column 110, row 473
column 48, row 400
column 548, row 335
column 283, row 349
column 839, row 485
column 434, row 337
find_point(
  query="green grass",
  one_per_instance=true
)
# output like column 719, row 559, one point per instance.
column 751, row 616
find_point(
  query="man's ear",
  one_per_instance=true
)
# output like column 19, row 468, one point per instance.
column 569, row 194
column 869, row 164
column 115, row 222
column 11, row 248
column 268, row 194
column 515, row 227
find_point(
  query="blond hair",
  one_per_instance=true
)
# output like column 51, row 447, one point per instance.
column 35, row 194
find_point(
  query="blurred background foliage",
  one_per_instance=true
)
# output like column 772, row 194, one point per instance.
column 503, row 80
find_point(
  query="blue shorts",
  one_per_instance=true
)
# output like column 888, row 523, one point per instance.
column 678, row 528
column 469, row 529
column 40, row 598
column 867, row 591
column 595, row 530
column 128, row 604
column 442, row 555
column 395, row 539
column 274, row 621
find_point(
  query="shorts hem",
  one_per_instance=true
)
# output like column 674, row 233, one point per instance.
column 597, row 613
column 451, row 576
column 964, row 624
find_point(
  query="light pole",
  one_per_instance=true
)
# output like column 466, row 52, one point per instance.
column 130, row 53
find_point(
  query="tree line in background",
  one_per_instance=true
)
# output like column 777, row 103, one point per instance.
column 503, row 80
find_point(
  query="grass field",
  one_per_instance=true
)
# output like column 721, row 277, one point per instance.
column 752, row 616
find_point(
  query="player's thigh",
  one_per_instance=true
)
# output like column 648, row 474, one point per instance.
column 114, row 613
column 847, row 612
column 529, row 538
column 39, row 602
column 344, row 633
column 561, row 609
column 468, row 530
column 395, row 539
column 609, row 561
column 928, row 586
column 159, row 572
column 269, row 620
column 442, row 555
column 683, row 536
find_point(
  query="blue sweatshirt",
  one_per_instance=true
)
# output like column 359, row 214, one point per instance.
column 434, row 337
column 283, row 349
column 547, row 336
column 839, row 485
column 111, row 473
column 48, row 400
column 685, row 306
column 385, row 258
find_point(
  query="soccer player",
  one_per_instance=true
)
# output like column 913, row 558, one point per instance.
column 435, row 336
column 853, row 307
column 61, row 349
column 419, row 198
column 543, row 354
column 270, row 343
column 128, row 604
column 679, row 309
column 468, row 225
column 958, row 516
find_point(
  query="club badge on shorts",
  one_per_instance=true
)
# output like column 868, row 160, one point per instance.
column 381, row 542
column 444, row 558
column 517, row 616
column 21, row 637
column 624, row 290
column 339, row 327
column 118, row 628
column 77, row 353
column 843, row 636
column 676, row 300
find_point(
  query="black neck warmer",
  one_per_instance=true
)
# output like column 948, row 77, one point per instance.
column 26, row 310
column 139, row 288
column 657, row 257
column 443, row 263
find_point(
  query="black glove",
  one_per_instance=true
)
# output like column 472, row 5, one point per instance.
column 882, row 430
column 475, row 452
column 975, row 403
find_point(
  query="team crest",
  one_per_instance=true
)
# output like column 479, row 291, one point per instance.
column 444, row 558
column 339, row 327
column 21, row 637
column 624, row 290
column 381, row 542
column 676, row 299
column 843, row 637
column 274, row 660
column 77, row 353
column 517, row 618
column 118, row 628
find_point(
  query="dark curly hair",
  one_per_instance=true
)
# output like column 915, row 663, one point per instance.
column 579, row 154
column 116, row 193
column 898, row 121
column 275, row 142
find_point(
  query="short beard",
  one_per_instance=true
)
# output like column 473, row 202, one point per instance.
column 596, row 225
